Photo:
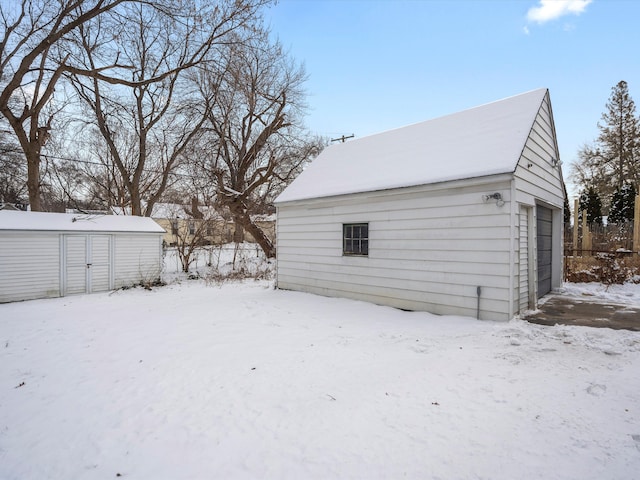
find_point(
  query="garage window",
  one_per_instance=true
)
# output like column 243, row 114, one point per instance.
column 355, row 239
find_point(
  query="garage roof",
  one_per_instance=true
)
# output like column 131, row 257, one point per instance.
column 484, row 140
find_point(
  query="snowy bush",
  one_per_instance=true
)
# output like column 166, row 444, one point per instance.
column 221, row 263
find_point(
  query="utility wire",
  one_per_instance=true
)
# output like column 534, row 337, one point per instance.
column 101, row 164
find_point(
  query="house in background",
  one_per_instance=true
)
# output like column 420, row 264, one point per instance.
column 460, row 215
column 203, row 225
column 192, row 224
column 56, row 254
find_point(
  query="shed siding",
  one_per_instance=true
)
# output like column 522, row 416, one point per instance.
column 30, row 266
column 429, row 248
column 137, row 258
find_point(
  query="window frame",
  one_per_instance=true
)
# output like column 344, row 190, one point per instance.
column 355, row 232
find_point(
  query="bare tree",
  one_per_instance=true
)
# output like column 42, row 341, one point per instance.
column 34, row 54
column 40, row 43
column 147, row 126
column 257, row 141
column 197, row 236
column 13, row 175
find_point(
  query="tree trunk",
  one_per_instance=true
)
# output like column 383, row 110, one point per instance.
column 33, row 180
column 256, row 232
column 238, row 231
column 136, row 204
column 242, row 218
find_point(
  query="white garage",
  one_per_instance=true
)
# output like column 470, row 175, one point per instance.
column 53, row 254
column 458, row 215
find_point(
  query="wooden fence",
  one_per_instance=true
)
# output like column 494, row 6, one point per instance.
column 602, row 253
column 582, row 240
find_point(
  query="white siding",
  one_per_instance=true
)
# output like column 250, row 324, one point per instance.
column 29, row 266
column 137, row 258
column 537, row 179
column 523, row 260
column 430, row 247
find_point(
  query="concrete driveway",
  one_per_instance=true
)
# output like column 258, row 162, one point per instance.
column 569, row 310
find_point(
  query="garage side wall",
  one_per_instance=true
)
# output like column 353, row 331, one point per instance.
column 537, row 177
column 430, row 248
column 137, row 259
column 29, row 266
column 538, row 182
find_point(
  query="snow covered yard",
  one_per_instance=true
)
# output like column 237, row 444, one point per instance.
column 242, row 381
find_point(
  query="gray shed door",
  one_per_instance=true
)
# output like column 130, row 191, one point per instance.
column 544, row 249
column 87, row 263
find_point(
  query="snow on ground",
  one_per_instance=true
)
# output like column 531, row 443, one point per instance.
column 627, row 293
column 241, row 381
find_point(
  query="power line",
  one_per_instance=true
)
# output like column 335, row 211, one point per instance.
column 101, row 164
column 342, row 139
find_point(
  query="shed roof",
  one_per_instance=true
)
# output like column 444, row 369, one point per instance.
column 63, row 222
column 480, row 141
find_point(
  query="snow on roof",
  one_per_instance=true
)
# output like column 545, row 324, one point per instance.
column 42, row 221
column 484, row 140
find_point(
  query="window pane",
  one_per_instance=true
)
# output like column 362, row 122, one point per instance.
column 355, row 238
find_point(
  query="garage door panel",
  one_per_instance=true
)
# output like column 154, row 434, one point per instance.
column 544, row 243
column 544, row 228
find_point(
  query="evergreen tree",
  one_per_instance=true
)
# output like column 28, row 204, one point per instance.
column 567, row 212
column 619, row 135
column 622, row 204
column 591, row 204
column 614, row 158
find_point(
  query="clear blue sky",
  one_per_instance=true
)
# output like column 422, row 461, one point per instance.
column 377, row 65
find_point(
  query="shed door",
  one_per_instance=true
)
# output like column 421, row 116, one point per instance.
column 100, row 261
column 87, row 263
column 75, row 255
column 544, row 230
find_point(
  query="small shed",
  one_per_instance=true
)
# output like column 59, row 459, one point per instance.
column 55, row 254
column 459, row 215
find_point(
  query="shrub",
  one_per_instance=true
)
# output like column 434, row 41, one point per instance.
column 606, row 268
